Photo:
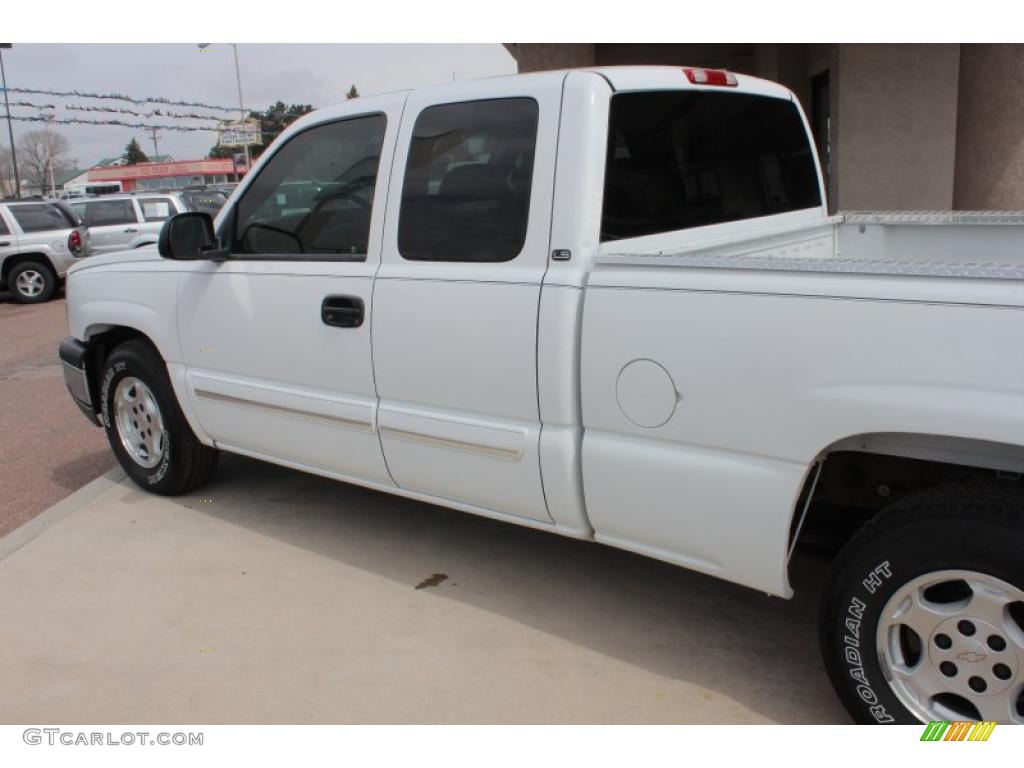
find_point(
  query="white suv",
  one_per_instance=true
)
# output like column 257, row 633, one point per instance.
column 39, row 241
column 123, row 222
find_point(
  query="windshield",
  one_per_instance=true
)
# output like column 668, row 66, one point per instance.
column 683, row 159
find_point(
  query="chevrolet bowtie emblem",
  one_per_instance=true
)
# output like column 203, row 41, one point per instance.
column 971, row 656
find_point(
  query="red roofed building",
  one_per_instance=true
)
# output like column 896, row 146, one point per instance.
column 178, row 173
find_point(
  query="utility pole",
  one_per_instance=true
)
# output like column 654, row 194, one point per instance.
column 241, row 105
column 154, row 135
column 49, row 154
column 10, row 130
column 53, row 187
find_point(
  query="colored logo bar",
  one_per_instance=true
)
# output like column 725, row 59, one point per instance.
column 943, row 730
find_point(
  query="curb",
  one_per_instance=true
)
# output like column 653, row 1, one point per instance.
column 30, row 530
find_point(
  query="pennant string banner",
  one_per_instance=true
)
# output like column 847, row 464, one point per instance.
column 119, row 123
column 123, row 111
column 153, row 113
column 120, row 97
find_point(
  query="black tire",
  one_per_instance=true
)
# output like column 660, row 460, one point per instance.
column 971, row 527
column 184, row 462
column 46, row 274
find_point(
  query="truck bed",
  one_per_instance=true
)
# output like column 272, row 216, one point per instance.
column 714, row 377
column 965, row 244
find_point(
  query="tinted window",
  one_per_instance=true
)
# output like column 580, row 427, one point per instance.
column 315, row 196
column 111, row 212
column 466, row 195
column 40, row 217
column 157, row 208
column 680, row 159
column 3, row 227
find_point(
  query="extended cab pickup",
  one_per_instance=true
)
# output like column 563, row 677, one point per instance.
column 610, row 304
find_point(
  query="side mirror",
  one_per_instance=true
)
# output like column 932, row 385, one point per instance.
column 189, row 236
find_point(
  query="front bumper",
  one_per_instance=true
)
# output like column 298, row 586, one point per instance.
column 73, row 354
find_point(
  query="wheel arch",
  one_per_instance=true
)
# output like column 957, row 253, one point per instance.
column 14, row 260
column 856, row 477
column 102, row 338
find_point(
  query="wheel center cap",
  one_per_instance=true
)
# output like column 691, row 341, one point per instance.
column 958, row 650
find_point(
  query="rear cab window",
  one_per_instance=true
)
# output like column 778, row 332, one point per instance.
column 41, row 217
column 684, row 159
column 466, row 194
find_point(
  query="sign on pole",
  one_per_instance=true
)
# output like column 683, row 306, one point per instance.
column 240, row 133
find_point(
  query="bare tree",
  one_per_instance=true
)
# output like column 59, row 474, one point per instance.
column 6, row 173
column 39, row 154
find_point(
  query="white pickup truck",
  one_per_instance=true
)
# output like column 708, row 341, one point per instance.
column 610, row 304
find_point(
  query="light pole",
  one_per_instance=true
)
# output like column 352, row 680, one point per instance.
column 10, row 130
column 241, row 104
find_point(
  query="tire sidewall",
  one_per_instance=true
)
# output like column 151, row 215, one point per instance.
column 877, row 569
column 49, row 288
column 121, row 364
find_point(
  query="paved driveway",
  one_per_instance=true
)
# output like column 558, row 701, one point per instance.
column 273, row 596
column 48, row 448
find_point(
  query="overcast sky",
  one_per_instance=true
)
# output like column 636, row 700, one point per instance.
column 308, row 74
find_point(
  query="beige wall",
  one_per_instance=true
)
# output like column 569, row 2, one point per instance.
column 534, row 57
column 895, row 130
column 990, row 132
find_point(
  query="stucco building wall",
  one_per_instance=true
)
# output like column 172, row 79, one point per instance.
column 990, row 130
column 902, row 126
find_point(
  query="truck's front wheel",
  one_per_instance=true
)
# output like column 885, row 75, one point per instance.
column 924, row 616
column 145, row 426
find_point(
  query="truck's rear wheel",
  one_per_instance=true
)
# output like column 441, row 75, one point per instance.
column 145, row 426
column 924, row 616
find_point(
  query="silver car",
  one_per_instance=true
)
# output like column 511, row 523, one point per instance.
column 39, row 240
column 125, row 221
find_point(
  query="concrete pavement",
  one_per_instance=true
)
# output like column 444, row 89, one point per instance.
column 276, row 597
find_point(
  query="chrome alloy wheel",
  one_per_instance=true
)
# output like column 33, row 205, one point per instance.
column 139, row 423
column 951, row 646
column 30, row 283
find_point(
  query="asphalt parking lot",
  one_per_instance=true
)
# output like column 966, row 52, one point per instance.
column 48, row 449
column 274, row 596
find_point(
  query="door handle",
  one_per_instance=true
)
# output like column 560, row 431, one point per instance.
column 342, row 311
column 5, row 242
column 132, row 229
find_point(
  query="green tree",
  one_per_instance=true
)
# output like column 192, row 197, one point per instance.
column 272, row 122
column 353, row 93
column 133, row 153
column 217, row 152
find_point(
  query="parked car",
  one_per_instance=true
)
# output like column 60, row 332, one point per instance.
column 134, row 219
column 610, row 304
column 128, row 220
column 39, row 241
column 206, row 200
